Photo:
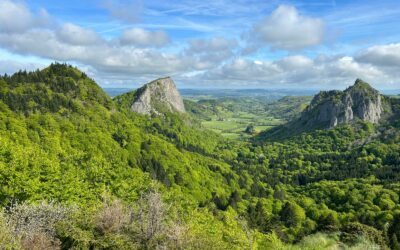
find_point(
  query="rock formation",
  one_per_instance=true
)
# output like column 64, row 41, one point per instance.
column 158, row 96
column 331, row 108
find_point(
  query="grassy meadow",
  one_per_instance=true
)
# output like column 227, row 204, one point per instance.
column 231, row 116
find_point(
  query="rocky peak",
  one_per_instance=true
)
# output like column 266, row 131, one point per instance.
column 330, row 108
column 360, row 84
column 158, row 96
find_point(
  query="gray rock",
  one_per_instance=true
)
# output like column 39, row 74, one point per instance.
column 157, row 97
column 331, row 108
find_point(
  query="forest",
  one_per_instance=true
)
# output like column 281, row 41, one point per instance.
column 79, row 170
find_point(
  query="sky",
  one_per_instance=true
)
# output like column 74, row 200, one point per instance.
column 313, row 44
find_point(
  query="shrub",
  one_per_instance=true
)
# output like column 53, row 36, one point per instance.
column 34, row 226
column 352, row 232
column 7, row 239
column 112, row 217
column 148, row 221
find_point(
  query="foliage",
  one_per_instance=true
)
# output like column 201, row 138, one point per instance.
column 119, row 180
column 352, row 231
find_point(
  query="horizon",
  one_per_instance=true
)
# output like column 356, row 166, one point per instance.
column 312, row 91
column 244, row 89
column 320, row 45
column 284, row 92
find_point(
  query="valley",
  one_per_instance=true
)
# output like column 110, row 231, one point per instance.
column 230, row 112
column 231, row 116
column 79, row 169
column 199, row 125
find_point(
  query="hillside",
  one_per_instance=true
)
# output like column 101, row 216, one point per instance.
column 55, row 88
column 80, row 170
column 77, row 149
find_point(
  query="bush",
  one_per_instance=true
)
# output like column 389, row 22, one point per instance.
column 7, row 239
column 112, row 217
column 148, row 221
column 33, row 226
column 352, row 232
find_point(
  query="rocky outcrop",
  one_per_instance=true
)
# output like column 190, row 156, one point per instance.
column 157, row 97
column 331, row 108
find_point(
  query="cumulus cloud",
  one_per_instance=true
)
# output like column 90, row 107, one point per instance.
column 208, row 53
column 16, row 17
column 295, row 71
column 215, row 44
column 295, row 62
column 70, row 42
column 138, row 54
column 287, row 29
column 346, row 66
column 76, row 35
column 45, row 43
column 381, row 55
column 143, row 38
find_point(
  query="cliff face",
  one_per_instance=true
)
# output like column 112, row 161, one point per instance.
column 158, row 96
column 330, row 108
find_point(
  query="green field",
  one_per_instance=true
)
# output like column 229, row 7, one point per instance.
column 231, row 116
column 235, row 126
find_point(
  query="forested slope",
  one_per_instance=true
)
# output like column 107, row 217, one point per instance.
column 78, row 170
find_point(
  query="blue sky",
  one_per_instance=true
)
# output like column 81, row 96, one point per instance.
column 208, row 44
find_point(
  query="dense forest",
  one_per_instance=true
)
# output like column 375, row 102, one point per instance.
column 78, row 170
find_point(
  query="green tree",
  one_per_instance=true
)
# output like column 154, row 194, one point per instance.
column 292, row 215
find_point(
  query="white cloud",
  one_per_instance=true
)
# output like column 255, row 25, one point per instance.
column 347, row 67
column 16, row 17
column 209, row 53
column 138, row 54
column 45, row 43
column 69, row 42
column 243, row 72
column 215, row 44
column 76, row 35
column 286, row 29
column 143, row 38
column 295, row 71
column 382, row 55
column 295, row 62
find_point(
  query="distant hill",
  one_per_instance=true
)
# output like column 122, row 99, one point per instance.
column 261, row 94
column 116, row 91
column 155, row 97
column 289, row 107
column 286, row 108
